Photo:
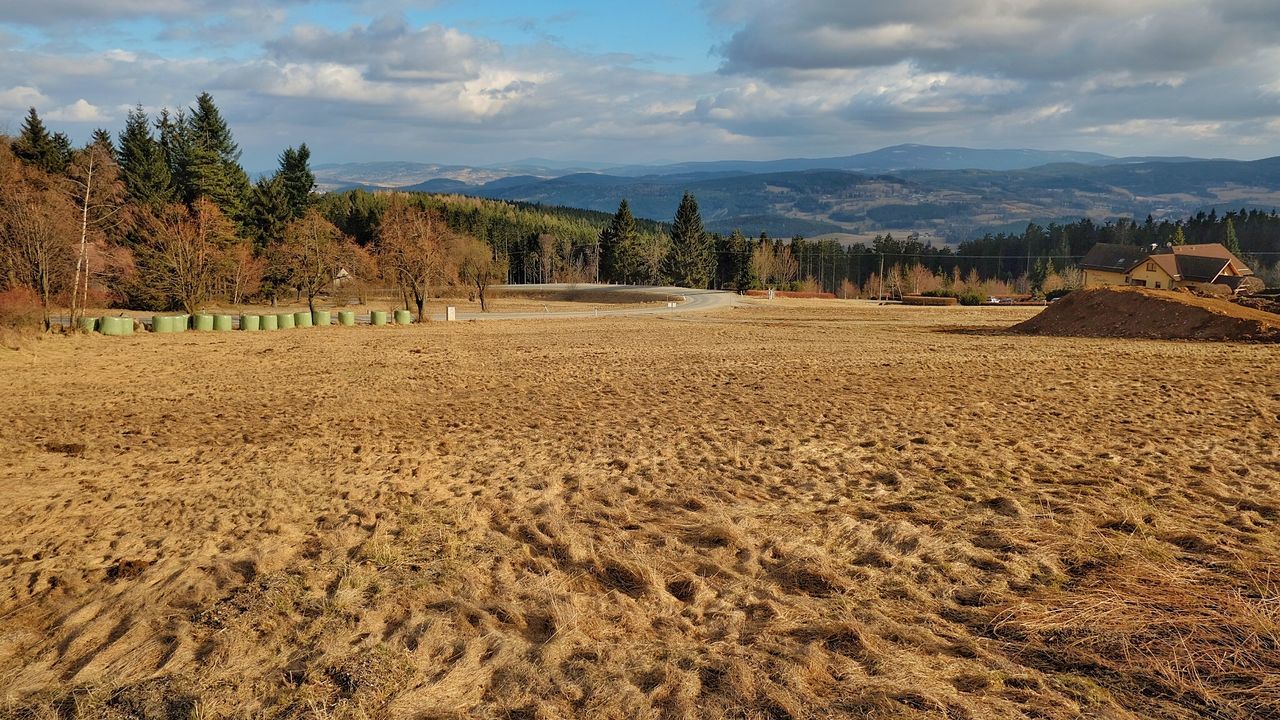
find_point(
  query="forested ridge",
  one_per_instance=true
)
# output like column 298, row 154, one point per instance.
column 163, row 216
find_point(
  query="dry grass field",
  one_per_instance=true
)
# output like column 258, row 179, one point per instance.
column 799, row 510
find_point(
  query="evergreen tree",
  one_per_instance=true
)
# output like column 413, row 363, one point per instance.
column 211, row 166
column 618, row 235
column 269, row 212
column 142, row 162
column 692, row 259
column 174, row 148
column 63, row 152
column 35, row 146
column 746, row 276
column 1179, row 237
column 1232, row 242
column 298, row 181
column 102, row 140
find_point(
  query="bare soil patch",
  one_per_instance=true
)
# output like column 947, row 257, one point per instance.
column 801, row 509
column 1144, row 313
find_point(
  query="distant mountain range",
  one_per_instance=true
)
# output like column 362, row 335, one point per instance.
column 943, row 192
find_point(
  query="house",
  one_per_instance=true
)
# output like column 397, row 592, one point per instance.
column 1163, row 267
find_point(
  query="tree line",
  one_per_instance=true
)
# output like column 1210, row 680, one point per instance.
column 163, row 216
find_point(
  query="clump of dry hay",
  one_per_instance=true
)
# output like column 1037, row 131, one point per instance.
column 1189, row 635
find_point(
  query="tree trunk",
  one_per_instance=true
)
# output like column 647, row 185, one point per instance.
column 480, row 288
column 422, row 305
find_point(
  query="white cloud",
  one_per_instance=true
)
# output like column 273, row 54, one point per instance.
column 21, row 97
column 807, row 77
column 80, row 111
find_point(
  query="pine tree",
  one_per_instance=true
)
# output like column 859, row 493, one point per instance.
column 35, row 146
column 298, row 181
column 102, row 140
column 618, row 235
column 142, row 162
column 1179, row 237
column 269, row 212
column 62, row 152
column 211, row 166
column 746, row 276
column 692, row 259
column 175, row 146
column 1232, row 242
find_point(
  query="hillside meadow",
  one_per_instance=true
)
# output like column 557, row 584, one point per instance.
column 801, row 509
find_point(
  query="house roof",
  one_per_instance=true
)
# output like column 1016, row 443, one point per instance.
column 1200, row 268
column 1115, row 258
column 1213, row 250
column 1168, row 262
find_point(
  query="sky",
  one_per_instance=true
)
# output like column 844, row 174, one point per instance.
column 480, row 82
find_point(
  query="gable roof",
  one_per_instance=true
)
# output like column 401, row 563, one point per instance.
column 1168, row 262
column 1201, row 268
column 1114, row 257
column 1214, row 250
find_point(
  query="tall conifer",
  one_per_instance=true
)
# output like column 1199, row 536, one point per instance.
column 297, row 180
column 142, row 162
column 616, row 237
column 691, row 261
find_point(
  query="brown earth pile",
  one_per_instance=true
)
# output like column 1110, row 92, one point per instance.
column 1160, row 314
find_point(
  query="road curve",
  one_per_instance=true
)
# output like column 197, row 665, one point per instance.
column 691, row 300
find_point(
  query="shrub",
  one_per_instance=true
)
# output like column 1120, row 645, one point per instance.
column 20, row 309
column 970, row 299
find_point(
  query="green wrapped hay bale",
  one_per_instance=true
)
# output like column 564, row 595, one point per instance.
column 89, row 324
column 284, row 320
column 378, row 317
column 222, row 323
column 302, row 319
column 270, row 322
column 203, row 323
column 115, row 326
column 403, row 317
column 346, row 317
column 321, row 318
column 250, row 323
column 164, row 324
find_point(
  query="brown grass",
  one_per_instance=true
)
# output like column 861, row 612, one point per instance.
column 801, row 509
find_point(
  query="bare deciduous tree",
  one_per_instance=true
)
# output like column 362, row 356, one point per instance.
column 477, row 265
column 312, row 253
column 184, row 251
column 413, row 250
column 95, row 181
column 37, row 232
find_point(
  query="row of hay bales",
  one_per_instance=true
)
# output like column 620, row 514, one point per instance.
column 117, row 326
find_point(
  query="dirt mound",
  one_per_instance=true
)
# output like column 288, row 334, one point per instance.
column 1143, row 313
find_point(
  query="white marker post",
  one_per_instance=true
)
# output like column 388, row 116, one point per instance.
column 450, row 313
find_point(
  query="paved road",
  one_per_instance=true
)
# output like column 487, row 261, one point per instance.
column 686, row 301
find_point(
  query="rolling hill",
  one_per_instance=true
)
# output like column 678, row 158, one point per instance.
column 949, row 193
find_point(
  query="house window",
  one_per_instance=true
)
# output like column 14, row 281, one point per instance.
column 1136, row 281
column 1151, row 267
column 1157, row 284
